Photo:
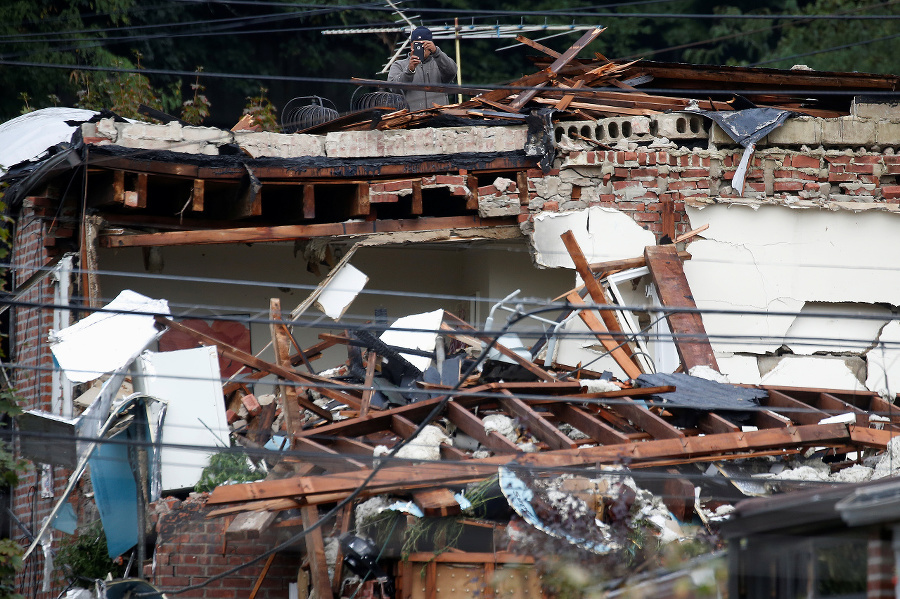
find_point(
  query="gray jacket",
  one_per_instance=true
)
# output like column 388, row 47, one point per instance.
column 437, row 68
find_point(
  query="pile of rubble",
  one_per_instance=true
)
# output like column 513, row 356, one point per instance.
column 449, row 440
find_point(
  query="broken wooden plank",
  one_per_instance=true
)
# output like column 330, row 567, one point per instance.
column 437, row 503
column 315, row 552
column 523, row 362
column 287, row 393
column 594, row 289
column 691, row 234
column 673, row 289
column 368, row 384
column 627, row 263
column 473, row 426
column 646, row 420
column 567, row 99
column 557, row 65
column 251, row 361
column 314, row 488
column 593, row 427
column 292, row 232
column 539, row 427
column 262, row 575
column 600, row 331
column 309, row 201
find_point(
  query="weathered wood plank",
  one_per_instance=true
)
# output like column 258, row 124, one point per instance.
column 314, row 487
column 603, row 335
column 593, row 427
column 473, row 426
column 539, row 427
column 646, row 420
column 315, row 552
column 691, row 339
column 254, row 362
column 290, row 232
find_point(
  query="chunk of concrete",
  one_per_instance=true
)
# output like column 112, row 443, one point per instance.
column 603, row 234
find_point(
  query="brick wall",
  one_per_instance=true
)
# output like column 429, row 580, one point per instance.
column 880, row 575
column 191, row 548
column 37, row 233
column 645, row 183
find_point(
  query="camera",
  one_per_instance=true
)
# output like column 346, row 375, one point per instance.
column 419, row 50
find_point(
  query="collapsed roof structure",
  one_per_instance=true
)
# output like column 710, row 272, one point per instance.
column 685, row 367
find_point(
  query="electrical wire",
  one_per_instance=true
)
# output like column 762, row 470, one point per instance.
column 831, row 49
column 452, row 13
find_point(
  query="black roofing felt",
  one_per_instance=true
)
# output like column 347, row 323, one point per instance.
column 702, row 394
column 470, row 160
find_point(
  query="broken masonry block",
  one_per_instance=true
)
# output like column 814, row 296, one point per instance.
column 250, row 402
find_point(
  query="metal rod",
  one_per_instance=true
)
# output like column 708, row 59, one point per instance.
column 458, row 59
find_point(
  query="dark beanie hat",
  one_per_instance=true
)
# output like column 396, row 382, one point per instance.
column 421, row 33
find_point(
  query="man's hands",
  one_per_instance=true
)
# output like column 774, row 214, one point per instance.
column 414, row 61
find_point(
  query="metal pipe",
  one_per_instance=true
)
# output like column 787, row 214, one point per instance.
column 458, row 59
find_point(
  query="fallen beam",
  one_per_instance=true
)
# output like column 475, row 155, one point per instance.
column 313, row 488
column 291, row 232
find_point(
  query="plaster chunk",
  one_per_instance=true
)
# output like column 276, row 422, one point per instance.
column 602, row 233
column 816, row 372
column 809, row 334
column 884, row 362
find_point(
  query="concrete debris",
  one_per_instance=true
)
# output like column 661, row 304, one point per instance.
column 501, row 424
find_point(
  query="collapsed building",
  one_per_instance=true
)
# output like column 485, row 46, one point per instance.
column 731, row 329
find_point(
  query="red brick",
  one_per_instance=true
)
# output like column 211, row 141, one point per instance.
column 861, row 168
column 695, row 172
column 252, row 405
column 788, row 185
column 645, row 217
column 551, row 206
column 399, row 185
column 892, row 169
column 637, row 173
column 231, row 416
column 676, row 185
column 838, row 159
column 801, row 161
column 868, row 159
column 631, row 156
column 449, row 180
column 639, row 206
column 834, row 177
column 891, row 192
column 621, row 172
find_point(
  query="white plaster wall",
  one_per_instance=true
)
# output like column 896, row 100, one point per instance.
column 777, row 259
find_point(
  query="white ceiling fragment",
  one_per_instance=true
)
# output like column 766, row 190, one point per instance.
column 884, row 362
column 820, row 372
column 740, row 370
column 107, row 339
column 810, row 334
column 420, row 332
column 774, row 258
column 29, row 136
column 603, row 234
column 340, row 291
